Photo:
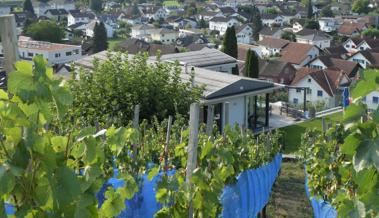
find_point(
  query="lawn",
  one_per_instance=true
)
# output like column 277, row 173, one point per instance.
column 292, row 134
column 113, row 42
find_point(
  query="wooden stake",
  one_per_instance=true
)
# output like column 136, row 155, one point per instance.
column 9, row 41
column 210, row 117
column 136, row 126
column 192, row 147
column 167, row 143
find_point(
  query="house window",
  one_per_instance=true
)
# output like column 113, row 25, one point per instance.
column 295, row 101
column 375, row 100
column 30, row 54
column 76, row 51
column 319, row 93
column 57, row 55
column 298, row 90
column 309, row 91
column 309, row 80
column 68, row 53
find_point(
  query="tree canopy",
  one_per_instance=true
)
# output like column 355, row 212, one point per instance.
column 361, row 6
column 252, row 64
column 110, row 91
column 312, row 24
column 96, row 5
column 290, row 36
column 256, row 23
column 27, row 6
column 310, row 9
column 229, row 44
column 48, row 31
column 371, row 32
column 99, row 38
column 327, row 12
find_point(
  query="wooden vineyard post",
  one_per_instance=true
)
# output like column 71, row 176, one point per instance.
column 9, row 41
column 192, row 147
column 167, row 143
column 136, row 126
column 210, row 117
column 323, row 124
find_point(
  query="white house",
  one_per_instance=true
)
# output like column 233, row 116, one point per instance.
column 372, row 100
column 181, row 23
column 360, row 44
column 153, row 12
column 272, row 19
column 244, row 34
column 54, row 53
column 366, row 58
column 222, row 23
column 351, row 68
column 77, row 16
column 323, row 86
column 40, row 8
column 298, row 25
column 272, row 46
column 327, row 24
column 56, row 14
column 142, row 30
column 208, row 15
column 165, row 36
column 5, row 9
column 91, row 26
column 273, row 32
column 313, row 37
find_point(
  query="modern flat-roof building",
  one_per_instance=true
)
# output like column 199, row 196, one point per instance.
column 232, row 96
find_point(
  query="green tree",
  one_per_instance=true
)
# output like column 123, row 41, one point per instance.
column 109, row 92
column 28, row 6
column 256, row 23
column 327, row 12
column 252, row 64
column 312, row 24
column 290, row 36
column 100, row 42
column 371, row 32
column 26, row 25
column 271, row 10
column 203, row 23
column 310, row 9
column 96, row 5
column 48, row 31
column 361, row 6
column 229, row 44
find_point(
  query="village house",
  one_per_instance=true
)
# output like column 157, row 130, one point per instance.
column 211, row 59
column 220, row 24
column 152, row 12
column 40, row 7
column 298, row 25
column 141, row 31
column 313, row 37
column 165, row 36
column 56, row 14
column 351, row 28
column 181, row 23
column 327, row 24
column 366, row 58
column 372, row 101
column 244, row 34
column 90, row 27
column 134, row 46
column 208, row 15
column 272, row 19
column 273, row 32
column 77, row 16
column 54, row 53
column 272, row 46
column 351, row 68
column 276, row 71
column 299, row 54
column 360, row 43
column 324, row 87
column 337, row 51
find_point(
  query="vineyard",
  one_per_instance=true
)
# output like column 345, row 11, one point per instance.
column 342, row 163
column 52, row 166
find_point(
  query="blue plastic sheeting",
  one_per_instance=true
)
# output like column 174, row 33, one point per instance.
column 242, row 200
column 321, row 208
column 251, row 193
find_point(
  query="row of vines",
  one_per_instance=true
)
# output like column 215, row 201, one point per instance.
column 49, row 170
column 342, row 164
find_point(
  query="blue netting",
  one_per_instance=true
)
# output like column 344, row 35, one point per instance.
column 251, row 193
column 321, row 208
column 242, row 200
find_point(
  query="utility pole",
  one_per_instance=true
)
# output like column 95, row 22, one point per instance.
column 9, row 41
